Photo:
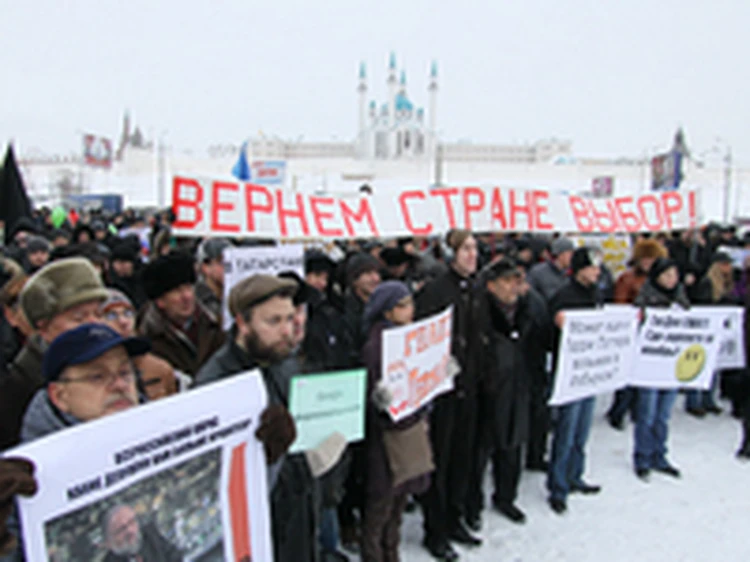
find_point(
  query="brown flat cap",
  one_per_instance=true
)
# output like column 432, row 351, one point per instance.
column 59, row 286
column 257, row 289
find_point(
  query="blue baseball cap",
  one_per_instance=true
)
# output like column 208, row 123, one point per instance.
column 84, row 344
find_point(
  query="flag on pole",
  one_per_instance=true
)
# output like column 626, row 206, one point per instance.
column 241, row 169
column 14, row 203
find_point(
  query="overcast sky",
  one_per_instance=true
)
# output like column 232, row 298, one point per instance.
column 615, row 77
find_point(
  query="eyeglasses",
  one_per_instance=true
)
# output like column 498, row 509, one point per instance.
column 103, row 380
column 114, row 315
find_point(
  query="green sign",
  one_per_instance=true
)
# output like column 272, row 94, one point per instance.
column 327, row 403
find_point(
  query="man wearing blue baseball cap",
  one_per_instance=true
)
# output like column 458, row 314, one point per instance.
column 89, row 374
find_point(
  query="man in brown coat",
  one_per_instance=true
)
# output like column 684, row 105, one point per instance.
column 59, row 297
column 181, row 330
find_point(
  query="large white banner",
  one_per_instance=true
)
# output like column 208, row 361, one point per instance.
column 243, row 262
column 215, row 207
column 678, row 348
column 183, row 478
column 416, row 363
column 595, row 353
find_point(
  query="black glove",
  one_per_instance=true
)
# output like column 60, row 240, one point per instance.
column 277, row 432
column 16, row 477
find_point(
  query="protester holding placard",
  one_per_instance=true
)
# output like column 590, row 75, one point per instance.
column 512, row 337
column 263, row 337
column 627, row 287
column 399, row 455
column 453, row 415
column 654, row 406
column 573, row 423
column 716, row 288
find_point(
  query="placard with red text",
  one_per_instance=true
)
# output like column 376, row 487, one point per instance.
column 415, row 363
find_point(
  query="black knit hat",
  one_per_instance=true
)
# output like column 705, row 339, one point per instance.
column 584, row 257
column 167, row 273
column 659, row 267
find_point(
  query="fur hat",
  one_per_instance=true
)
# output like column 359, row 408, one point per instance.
column 168, row 272
column 59, row 286
column 648, row 248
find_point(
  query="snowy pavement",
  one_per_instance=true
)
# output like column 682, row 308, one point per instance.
column 703, row 517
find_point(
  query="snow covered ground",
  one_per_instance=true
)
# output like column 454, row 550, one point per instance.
column 704, row 516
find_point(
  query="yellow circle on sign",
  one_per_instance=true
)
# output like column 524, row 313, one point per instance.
column 690, row 363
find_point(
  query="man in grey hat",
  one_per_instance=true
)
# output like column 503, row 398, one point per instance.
column 59, row 297
column 209, row 289
column 550, row 276
column 262, row 337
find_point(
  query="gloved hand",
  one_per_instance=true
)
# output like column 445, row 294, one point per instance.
column 381, row 397
column 277, row 432
column 16, row 478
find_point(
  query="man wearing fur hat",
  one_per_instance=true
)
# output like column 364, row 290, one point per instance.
column 59, row 297
column 627, row 287
column 182, row 331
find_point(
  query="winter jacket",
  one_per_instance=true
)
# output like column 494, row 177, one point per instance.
column 17, row 389
column 379, row 480
column 692, row 258
column 628, row 285
column 508, row 360
column 572, row 296
column 132, row 287
column 651, row 296
column 294, row 494
column 329, row 344
column 703, row 293
column 547, row 279
column 354, row 309
column 173, row 345
column 208, row 298
column 451, row 289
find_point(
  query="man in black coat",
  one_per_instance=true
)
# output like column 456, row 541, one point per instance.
column 453, row 415
column 510, row 336
column 262, row 337
column 573, row 420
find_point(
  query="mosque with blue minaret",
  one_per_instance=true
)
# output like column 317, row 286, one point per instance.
column 397, row 129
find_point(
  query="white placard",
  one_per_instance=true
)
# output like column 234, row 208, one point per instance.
column 416, row 361
column 732, row 344
column 678, row 348
column 595, row 353
column 241, row 263
column 188, row 467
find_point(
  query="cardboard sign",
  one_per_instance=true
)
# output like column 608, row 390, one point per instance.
column 416, row 363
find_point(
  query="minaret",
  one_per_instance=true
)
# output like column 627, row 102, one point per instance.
column 433, row 89
column 362, row 90
column 392, row 89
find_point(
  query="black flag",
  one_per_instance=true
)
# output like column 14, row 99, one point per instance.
column 14, row 203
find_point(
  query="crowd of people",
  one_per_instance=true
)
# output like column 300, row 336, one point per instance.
column 111, row 312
